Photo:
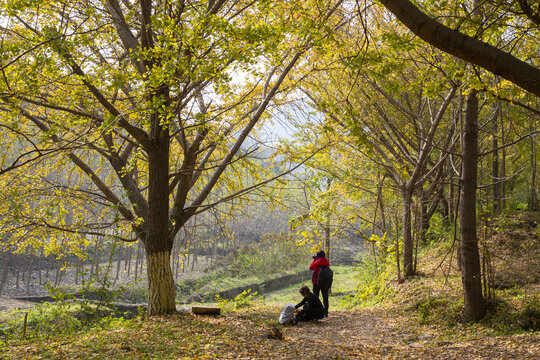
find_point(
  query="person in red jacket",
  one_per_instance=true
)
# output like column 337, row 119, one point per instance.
column 319, row 260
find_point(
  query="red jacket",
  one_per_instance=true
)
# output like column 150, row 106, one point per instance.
column 315, row 265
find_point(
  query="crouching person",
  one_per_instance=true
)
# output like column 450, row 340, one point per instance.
column 312, row 307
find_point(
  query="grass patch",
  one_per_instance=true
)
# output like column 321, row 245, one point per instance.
column 343, row 288
column 218, row 282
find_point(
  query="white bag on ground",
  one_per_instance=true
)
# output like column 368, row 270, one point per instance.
column 287, row 315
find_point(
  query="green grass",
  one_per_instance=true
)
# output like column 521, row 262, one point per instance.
column 343, row 288
column 215, row 283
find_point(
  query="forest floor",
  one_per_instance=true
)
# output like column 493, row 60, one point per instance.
column 372, row 333
column 418, row 319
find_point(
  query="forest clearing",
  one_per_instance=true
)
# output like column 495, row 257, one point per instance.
column 334, row 178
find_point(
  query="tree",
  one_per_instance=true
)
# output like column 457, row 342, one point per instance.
column 400, row 130
column 475, row 307
column 141, row 100
column 525, row 74
column 471, row 49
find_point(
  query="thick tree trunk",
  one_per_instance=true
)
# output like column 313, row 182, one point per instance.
column 408, row 246
column 161, row 288
column 475, row 306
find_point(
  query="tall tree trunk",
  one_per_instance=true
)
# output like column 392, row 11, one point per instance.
column 408, row 246
column 451, row 200
column 40, row 278
column 534, row 197
column 327, row 240
column 161, row 289
column 99, row 248
column 29, row 276
column 137, row 259
column 503, row 168
column 24, row 267
column 475, row 306
column 128, row 260
column 118, row 264
column 381, row 204
column 495, row 165
column 397, row 249
column 5, row 270
column 47, row 268
column 17, row 273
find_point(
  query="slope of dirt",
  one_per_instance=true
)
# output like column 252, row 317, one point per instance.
column 378, row 333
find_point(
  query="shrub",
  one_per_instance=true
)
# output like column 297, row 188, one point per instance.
column 529, row 317
column 243, row 299
column 372, row 277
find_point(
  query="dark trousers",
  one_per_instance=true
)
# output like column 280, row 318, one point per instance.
column 324, row 292
column 309, row 314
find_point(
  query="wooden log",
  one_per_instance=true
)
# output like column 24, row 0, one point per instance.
column 206, row 310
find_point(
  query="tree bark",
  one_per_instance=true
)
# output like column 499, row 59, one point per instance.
column 495, row 165
column 17, row 273
column 408, row 246
column 327, row 240
column 127, row 263
column 465, row 47
column 137, row 259
column 161, row 288
column 474, row 304
column 397, row 249
column 29, row 275
column 5, row 270
column 534, row 198
column 503, row 167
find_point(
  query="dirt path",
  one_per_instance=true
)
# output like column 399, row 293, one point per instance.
column 372, row 334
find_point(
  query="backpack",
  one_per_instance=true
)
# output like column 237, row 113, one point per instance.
column 287, row 315
column 325, row 278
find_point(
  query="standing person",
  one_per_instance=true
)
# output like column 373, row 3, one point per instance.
column 319, row 260
column 312, row 307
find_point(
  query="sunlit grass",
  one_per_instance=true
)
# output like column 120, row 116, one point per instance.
column 344, row 286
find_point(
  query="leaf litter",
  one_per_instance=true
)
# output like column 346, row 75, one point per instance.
column 373, row 333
